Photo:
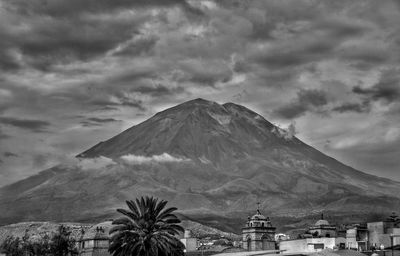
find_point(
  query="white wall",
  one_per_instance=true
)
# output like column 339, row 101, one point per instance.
column 307, row 244
column 190, row 244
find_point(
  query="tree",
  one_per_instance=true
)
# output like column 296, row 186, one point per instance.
column 146, row 229
column 12, row 246
column 41, row 246
column 62, row 244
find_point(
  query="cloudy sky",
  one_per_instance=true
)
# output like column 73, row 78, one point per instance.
column 75, row 72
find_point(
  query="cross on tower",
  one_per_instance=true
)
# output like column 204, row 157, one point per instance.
column 258, row 207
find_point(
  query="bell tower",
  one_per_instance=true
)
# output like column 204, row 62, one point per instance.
column 258, row 233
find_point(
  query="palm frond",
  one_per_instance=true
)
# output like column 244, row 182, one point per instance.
column 147, row 229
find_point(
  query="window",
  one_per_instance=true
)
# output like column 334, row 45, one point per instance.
column 319, row 246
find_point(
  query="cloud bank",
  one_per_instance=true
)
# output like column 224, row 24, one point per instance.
column 95, row 163
column 163, row 158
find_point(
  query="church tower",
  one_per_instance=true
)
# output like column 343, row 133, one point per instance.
column 258, row 234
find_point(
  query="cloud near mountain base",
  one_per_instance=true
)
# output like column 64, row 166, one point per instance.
column 163, row 158
column 95, row 163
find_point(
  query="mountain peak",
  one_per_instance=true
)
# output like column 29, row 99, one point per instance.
column 205, row 158
column 199, row 101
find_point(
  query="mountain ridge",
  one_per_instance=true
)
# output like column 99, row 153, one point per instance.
column 205, row 158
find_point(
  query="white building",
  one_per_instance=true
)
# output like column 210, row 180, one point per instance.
column 189, row 241
column 308, row 245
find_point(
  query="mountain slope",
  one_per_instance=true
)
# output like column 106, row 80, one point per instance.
column 205, row 158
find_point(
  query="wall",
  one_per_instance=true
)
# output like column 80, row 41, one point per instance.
column 396, row 235
column 376, row 230
column 190, row 244
column 379, row 233
column 357, row 239
column 324, row 231
column 290, row 246
column 256, row 236
column 309, row 244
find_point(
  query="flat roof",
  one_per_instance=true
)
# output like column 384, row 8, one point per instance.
column 261, row 253
column 249, row 253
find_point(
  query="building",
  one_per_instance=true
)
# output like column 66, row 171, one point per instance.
column 322, row 228
column 337, row 253
column 258, row 234
column 281, row 236
column 385, row 233
column 95, row 241
column 357, row 237
column 312, row 244
column 319, row 236
column 189, row 241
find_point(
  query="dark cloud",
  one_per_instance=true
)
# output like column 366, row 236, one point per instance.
column 3, row 135
column 306, row 100
column 377, row 93
column 315, row 40
column 387, row 89
column 64, row 31
column 158, row 90
column 205, row 73
column 95, row 121
column 52, row 42
column 341, row 28
column 290, row 54
column 119, row 99
column 353, row 107
column 62, row 8
column 10, row 154
column 364, row 55
column 266, row 15
column 27, row 124
column 276, row 60
column 209, row 79
column 102, row 120
column 130, row 76
column 8, row 60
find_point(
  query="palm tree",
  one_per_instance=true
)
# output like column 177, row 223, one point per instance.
column 146, row 229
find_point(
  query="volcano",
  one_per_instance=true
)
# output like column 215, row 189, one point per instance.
column 208, row 159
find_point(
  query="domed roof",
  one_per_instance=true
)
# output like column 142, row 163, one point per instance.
column 322, row 223
column 258, row 216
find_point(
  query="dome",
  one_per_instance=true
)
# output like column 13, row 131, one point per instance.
column 322, row 223
column 258, row 216
column 258, row 221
